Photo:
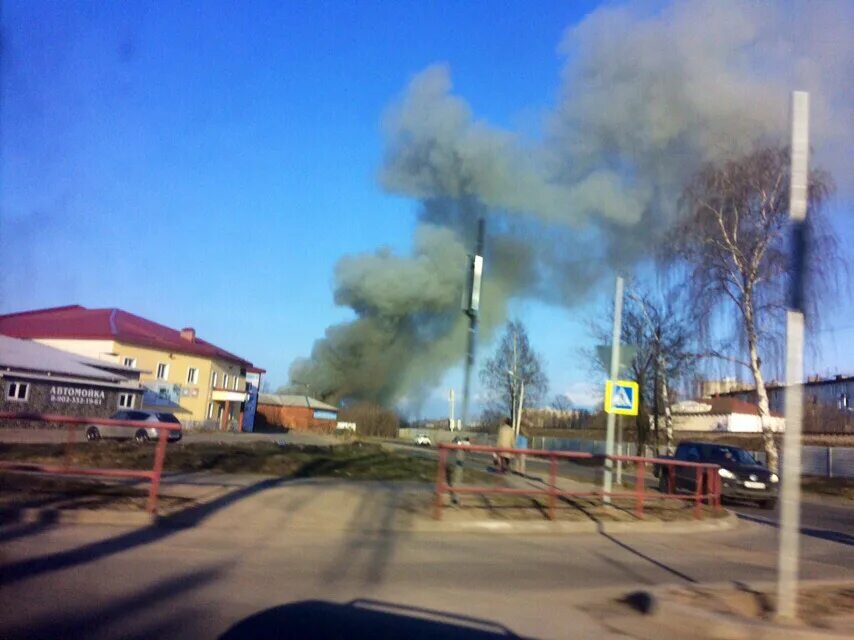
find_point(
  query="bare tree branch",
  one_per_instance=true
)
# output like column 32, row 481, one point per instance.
column 733, row 238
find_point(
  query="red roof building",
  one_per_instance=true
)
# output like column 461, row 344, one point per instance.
column 76, row 322
column 199, row 380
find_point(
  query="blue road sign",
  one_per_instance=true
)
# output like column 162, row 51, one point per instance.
column 621, row 397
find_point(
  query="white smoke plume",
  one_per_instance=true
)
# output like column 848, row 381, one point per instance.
column 648, row 95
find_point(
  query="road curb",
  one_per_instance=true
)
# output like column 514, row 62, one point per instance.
column 725, row 523
column 721, row 626
column 586, row 526
column 501, row 526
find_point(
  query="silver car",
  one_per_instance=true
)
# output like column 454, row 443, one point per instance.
column 143, row 434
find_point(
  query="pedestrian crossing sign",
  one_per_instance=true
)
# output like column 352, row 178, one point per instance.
column 621, row 397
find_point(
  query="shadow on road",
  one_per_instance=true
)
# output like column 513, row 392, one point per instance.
column 362, row 619
column 166, row 527
column 10, row 529
column 649, row 559
column 96, row 621
column 823, row 534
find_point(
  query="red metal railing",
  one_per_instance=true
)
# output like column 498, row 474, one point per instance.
column 706, row 476
column 74, row 422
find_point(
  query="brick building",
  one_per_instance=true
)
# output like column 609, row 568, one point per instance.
column 295, row 412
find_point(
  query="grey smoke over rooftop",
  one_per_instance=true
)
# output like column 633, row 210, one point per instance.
column 646, row 97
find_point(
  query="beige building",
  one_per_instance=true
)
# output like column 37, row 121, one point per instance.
column 709, row 388
column 200, row 382
column 727, row 415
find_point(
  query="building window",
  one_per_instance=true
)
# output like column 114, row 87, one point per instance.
column 219, row 413
column 225, row 381
column 236, row 382
column 210, row 410
column 192, row 375
column 18, row 391
column 126, row 401
column 214, row 378
column 162, row 371
column 130, row 362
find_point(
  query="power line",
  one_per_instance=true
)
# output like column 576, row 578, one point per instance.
column 844, row 327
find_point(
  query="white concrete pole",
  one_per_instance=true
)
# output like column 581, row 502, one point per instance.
column 519, row 409
column 790, row 498
column 615, row 364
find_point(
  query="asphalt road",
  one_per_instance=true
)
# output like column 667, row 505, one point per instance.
column 287, row 547
column 817, row 515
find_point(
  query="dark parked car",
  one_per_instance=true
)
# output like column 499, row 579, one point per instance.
column 742, row 477
column 142, row 434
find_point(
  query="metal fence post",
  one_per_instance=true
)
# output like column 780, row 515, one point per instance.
column 552, row 486
column 159, row 457
column 711, row 487
column 69, row 443
column 640, row 468
column 440, row 483
column 698, row 490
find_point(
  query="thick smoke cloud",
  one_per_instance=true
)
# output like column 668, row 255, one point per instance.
column 647, row 96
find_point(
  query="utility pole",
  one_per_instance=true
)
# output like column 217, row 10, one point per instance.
column 521, row 461
column 790, row 502
column 656, row 390
column 514, row 408
column 668, row 416
column 471, row 305
column 615, row 364
column 451, row 422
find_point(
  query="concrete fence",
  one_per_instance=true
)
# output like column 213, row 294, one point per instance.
column 827, row 462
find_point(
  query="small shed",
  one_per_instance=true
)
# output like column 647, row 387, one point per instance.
column 295, row 412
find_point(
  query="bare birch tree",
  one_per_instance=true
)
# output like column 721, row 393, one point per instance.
column 514, row 366
column 659, row 326
column 669, row 340
column 732, row 240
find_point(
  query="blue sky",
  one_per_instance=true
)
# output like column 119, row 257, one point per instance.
column 206, row 164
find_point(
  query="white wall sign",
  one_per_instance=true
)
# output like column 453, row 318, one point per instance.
column 76, row 395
